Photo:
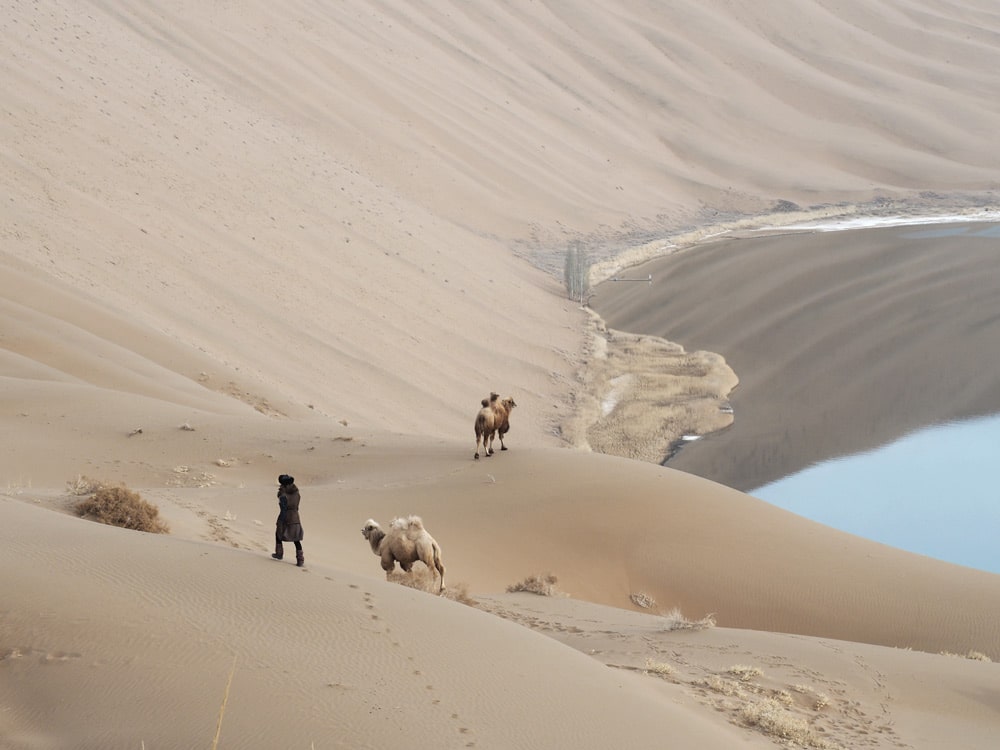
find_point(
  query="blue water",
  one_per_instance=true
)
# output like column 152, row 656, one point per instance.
column 934, row 492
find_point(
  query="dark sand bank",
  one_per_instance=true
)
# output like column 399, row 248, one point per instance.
column 842, row 341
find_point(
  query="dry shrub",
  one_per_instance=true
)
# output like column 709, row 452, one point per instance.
column 658, row 668
column 820, row 700
column 419, row 578
column 723, row 686
column 744, row 673
column 645, row 601
column 676, row 621
column 82, row 485
column 974, row 655
column 771, row 718
column 541, row 585
column 460, row 593
column 120, row 506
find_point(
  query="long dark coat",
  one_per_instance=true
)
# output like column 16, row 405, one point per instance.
column 289, row 526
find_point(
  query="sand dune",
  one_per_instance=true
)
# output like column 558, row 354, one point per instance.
column 238, row 239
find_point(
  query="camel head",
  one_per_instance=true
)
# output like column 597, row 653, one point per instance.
column 508, row 403
column 373, row 533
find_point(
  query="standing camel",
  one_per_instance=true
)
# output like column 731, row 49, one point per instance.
column 485, row 429
column 502, row 407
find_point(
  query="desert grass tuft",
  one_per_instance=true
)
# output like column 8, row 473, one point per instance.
column 544, row 585
column 744, row 673
column 459, row 592
column 974, row 655
column 820, row 700
column 674, row 620
column 771, row 718
column 120, row 506
column 659, row 668
column 419, row 578
column 82, row 485
column 643, row 600
column 722, row 686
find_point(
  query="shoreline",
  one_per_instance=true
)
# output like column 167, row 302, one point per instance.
column 666, row 424
column 843, row 217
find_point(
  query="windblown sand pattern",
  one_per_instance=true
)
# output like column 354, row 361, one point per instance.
column 244, row 239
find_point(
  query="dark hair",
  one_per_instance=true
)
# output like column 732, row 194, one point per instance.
column 284, row 480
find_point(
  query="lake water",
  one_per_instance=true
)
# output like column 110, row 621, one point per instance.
column 935, row 492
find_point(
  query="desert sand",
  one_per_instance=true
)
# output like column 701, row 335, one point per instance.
column 239, row 240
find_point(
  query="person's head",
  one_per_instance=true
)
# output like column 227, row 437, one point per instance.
column 284, row 480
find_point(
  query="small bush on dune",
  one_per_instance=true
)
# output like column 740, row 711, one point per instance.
column 974, row 655
column 769, row 716
column 643, row 600
column 676, row 621
column 460, row 593
column 659, row 668
column 819, row 700
column 541, row 585
column 744, row 673
column 421, row 579
column 120, row 506
column 82, row 486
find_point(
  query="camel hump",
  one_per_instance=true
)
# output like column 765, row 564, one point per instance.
column 411, row 523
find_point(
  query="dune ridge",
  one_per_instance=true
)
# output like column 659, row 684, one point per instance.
column 244, row 239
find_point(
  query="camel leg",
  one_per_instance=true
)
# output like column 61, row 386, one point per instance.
column 440, row 570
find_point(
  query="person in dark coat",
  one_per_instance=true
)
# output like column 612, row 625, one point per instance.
column 289, row 526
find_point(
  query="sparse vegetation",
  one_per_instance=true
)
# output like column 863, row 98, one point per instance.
column 421, row 579
column 974, row 655
column 721, row 685
column 117, row 506
column 659, row 668
column 744, row 673
column 771, row 710
column 460, row 593
column 676, row 621
column 542, row 585
column 645, row 601
column 82, row 486
column 771, row 718
column 820, row 700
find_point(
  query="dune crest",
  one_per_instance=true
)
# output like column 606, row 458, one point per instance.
column 245, row 239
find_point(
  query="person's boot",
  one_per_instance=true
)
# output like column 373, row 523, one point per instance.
column 279, row 551
column 300, row 558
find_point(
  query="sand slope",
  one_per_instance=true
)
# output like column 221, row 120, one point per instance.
column 238, row 240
